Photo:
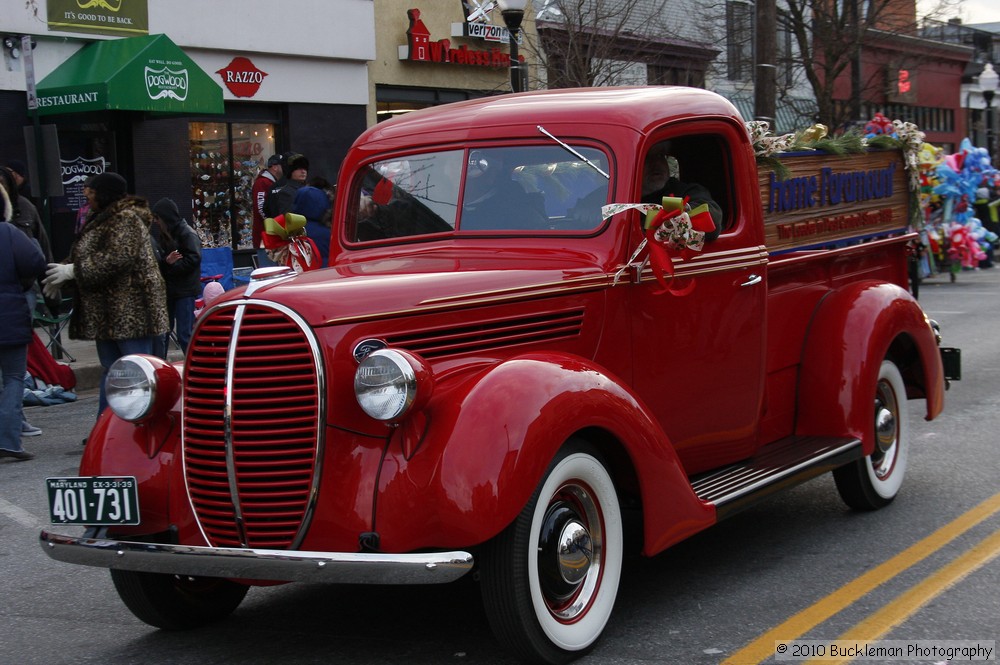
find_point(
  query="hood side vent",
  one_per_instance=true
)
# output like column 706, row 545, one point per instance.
column 491, row 334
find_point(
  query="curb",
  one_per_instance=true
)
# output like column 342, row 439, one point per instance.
column 88, row 377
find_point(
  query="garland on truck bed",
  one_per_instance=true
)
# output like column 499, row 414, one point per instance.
column 879, row 133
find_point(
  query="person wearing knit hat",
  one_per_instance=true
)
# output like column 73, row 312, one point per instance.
column 108, row 187
column 211, row 293
column 178, row 252
column 282, row 196
column 298, row 167
column 120, row 300
column 20, row 171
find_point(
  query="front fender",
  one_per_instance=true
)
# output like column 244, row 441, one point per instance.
column 853, row 329
column 150, row 451
column 490, row 438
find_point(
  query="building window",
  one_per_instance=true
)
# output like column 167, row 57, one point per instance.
column 391, row 101
column 739, row 46
column 660, row 75
column 928, row 119
column 225, row 159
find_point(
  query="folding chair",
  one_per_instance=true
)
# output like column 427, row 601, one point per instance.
column 53, row 326
column 172, row 337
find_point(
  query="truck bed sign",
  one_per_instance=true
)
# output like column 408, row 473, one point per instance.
column 827, row 199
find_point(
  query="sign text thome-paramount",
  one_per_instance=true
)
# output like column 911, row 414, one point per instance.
column 829, row 188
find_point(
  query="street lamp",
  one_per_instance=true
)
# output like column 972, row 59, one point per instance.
column 513, row 13
column 988, row 85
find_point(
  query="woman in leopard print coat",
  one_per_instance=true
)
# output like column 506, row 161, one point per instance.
column 120, row 299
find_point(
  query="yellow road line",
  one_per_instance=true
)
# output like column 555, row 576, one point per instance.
column 908, row 603
column 763, row 647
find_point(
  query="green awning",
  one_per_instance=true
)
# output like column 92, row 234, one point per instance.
column 148, row 73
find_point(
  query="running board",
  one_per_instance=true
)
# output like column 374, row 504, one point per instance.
column 777, row 466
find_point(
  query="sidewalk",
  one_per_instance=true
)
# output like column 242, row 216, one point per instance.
column 85, row 365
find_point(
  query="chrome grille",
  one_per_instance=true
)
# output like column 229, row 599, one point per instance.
column 253, row 387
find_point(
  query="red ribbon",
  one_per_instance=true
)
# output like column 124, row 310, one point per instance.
column 383, row 192
column 659, row 255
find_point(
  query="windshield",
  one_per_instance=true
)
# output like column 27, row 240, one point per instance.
column 527, row 189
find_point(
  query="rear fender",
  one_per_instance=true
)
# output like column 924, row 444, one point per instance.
column 490, row 438
column 853, row 330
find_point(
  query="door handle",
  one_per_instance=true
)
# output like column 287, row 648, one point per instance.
column 753, row 279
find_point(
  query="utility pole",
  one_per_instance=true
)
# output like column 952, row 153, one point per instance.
column 765, row 85
column 40, row 179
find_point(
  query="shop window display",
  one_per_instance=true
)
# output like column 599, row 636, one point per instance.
column 225, row 159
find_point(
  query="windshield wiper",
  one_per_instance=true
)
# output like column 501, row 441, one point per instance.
column 574, row 152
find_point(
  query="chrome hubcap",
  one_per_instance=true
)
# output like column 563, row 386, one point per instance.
column 885, row 428
column 574, row 552
column 569, row 553
column 886, row 431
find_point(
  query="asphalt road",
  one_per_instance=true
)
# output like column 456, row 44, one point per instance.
column 798, row 566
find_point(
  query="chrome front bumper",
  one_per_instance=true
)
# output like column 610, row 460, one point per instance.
column 254, row 564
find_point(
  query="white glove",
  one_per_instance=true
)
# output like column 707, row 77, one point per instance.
column 54, row 276
column 51, row 291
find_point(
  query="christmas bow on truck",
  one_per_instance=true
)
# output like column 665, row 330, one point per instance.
column 287, row 244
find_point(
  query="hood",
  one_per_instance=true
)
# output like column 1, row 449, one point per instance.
column 429, row 282
column 167, row 210
column 311, row 203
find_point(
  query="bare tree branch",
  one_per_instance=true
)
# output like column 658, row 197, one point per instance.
column 584, row 43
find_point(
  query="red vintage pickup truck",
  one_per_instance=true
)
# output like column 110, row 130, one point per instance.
column 509, row 354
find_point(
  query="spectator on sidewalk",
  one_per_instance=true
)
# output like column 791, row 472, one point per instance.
column 266, row 180
column 313, row 204
column 21, row 263
column 120, row 300
column 24, row 215
column 282, row 196
column 178, row 252
column 20, row 171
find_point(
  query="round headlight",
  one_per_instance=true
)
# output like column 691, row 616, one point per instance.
column 135, row 384
column 385, row 384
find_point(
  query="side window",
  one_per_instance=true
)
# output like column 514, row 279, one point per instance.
column 410, row 196
column 692, row 166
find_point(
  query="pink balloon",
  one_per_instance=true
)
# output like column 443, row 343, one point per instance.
column 955, row 161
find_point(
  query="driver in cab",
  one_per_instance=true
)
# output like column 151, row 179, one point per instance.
column 658, row 181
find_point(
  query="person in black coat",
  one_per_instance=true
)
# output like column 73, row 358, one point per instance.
column 657, row 182
column 21, row 263
column 178, row 251
column 281, row 198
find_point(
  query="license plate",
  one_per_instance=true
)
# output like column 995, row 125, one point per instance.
column 951, row 361
column 93, row 500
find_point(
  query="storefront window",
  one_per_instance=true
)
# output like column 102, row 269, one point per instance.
column 225, row 159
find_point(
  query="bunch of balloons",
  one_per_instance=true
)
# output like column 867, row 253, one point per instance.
column 948, row 186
